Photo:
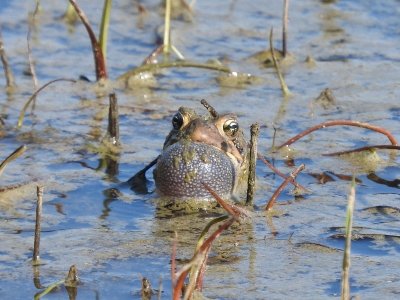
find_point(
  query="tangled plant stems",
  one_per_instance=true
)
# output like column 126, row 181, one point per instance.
column 279, row 173
column 196, row 266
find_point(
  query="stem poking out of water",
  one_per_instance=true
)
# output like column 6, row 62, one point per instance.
column 345, row 294
column 285, row 26
column 198, row 262
column 167, row 28
column 10, row 82
column 22, row 113
column 28, row 39
column 284, row 87
column 210, row 108
column 292, row 177
column 378, row 129
column 113, row 120
column 105, row 21
column 36, row 244
column 251, row 181
column 99, row 60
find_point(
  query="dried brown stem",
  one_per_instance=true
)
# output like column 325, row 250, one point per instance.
column 36, row 244
column 10, row 82
column 231, row 209
column 72, row 279
column 284, row 87
column 285, row 26
column 341, row 123
column 146, row 290
column 366, row 148
column 99, row 60
column 292, row 176
column 113, row 120
column 251, row 180
column 279, row 173
column 152, row 57
column 210, row 109
column 28, row 39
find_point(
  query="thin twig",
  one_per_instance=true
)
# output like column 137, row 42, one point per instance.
column 105, row 21
column 28, row 38
column 279, row 173
column 167, row 27
column 233, row 210
column 251, row 181
column 36, row 244
column 365, row 148
column 292, row 176
column 16, row 153
column 152, row 57
column 10, row 82
column 48, row 289
column 99, row 60
column 378, row 129
column 345, row 286
column 210, row 108
column 284, row 27
column 113, row 120
column 284, row 87
column 22, row 113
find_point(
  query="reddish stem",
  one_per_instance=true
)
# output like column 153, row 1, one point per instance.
column 99, row 61
column 231, row 209
column 200, row 275
column 292, row 176
column 366, row 148
column 341, row 123
column 179, row 284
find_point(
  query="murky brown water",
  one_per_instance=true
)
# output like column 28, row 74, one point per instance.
column 297, row 252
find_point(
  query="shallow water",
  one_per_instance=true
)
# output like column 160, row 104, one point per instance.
column 115, row 240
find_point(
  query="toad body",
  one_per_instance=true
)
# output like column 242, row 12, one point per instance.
column 208, row 149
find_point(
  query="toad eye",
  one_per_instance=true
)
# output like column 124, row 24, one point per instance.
column 231, row 127
column 177, row 121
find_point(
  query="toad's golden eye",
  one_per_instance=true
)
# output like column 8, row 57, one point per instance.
column 231, row 127
column 177, row 121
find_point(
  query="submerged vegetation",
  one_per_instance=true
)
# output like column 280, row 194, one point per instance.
column 222, row 230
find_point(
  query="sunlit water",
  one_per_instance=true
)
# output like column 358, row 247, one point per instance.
column 116, row 239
